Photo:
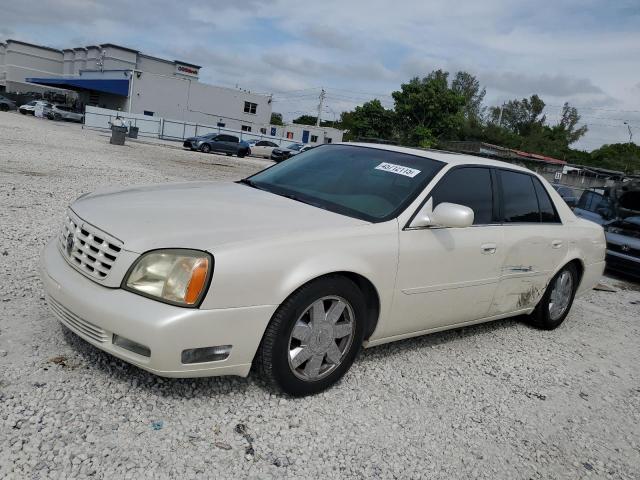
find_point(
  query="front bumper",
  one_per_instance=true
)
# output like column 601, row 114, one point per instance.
column 96, row 313
column 627, row 264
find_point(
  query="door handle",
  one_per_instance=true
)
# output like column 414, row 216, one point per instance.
column 488, row 248
column 556, row 244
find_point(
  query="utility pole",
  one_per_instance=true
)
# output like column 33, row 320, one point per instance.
column 628, row 169
column 500, row 116
column 630, row 134
column 322, row 94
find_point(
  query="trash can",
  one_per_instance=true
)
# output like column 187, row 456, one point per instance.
column 133, row 132
column 118, row 135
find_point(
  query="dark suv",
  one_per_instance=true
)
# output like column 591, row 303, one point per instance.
column 218, row 142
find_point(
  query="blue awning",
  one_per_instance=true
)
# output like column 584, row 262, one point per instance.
column 113, row 86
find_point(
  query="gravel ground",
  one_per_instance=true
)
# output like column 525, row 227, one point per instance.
column 500, row 400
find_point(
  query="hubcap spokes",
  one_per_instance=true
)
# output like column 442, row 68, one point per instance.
column 560, row 295
column 321, row 337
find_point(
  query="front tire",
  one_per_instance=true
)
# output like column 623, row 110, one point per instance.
column 206, row 148
column 314, row 336
column 555, row 304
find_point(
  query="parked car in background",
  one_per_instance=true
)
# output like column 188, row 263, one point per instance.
column 617, row 209
column 30, row 108
column 279, row 154
column 262, row 148
column 296, row 268
column 623, row 246
column 218, row 142
column 6, row 104
column 568, row 194
column 64, row 112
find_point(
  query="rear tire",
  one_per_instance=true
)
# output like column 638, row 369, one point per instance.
column 329, row 346
column 555, row 304
column 4, row 107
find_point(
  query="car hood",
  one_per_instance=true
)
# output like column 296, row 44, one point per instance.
column 200, row 215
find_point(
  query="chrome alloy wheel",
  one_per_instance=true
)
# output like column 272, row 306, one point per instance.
column 560, row 297
column 321, row 337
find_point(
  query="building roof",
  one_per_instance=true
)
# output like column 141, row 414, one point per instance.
column 187, row 64
column 499, row 151
column 105, row 45
column 9, row 40
column 536, row 156
column 446, row 157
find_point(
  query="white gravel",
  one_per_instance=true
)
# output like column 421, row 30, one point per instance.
column 500, row 400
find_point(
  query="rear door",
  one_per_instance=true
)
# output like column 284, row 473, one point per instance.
column 534, row 241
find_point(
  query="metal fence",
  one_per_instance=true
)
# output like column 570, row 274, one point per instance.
column 147, row 127
column 165, row 129
column 179, row 130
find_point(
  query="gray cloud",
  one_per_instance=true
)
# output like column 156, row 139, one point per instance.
column 523, row 84
column 325, row 36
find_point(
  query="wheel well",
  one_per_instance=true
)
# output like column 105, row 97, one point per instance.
column 577, row 263
column 372, row 299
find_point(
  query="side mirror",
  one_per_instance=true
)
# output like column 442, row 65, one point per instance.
column 450, row 215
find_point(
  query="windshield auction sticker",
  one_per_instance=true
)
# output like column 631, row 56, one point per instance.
column 398, row 169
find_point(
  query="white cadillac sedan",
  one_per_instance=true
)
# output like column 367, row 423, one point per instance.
column 296, row 268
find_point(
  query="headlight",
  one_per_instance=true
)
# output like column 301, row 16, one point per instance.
column 175, row 276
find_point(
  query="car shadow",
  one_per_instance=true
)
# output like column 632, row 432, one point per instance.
column 93, row 358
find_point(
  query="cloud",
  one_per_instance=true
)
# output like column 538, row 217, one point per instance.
column 523, row 84
column 325, row 36
column 576, row 50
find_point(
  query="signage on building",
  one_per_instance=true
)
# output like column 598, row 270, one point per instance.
column 186, row 70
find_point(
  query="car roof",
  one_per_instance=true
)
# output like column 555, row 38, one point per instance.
column 442, row 156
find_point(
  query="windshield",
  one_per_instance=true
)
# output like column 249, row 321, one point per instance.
column 295, row 146
column 360, row 182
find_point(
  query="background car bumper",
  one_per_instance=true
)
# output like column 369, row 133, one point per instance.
column 622, row 263
column 96, row 313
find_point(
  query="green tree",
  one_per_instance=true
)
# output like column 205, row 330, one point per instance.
column 276, row 119
column 371, row 120
column 427, row 109
column 520, row 116
column 311, row 120
column 568, row 122
column 468, row 87
column 624, row 157
column 305, row 120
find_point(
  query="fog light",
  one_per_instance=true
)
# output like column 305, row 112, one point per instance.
column 131, row 346
column 206, row 354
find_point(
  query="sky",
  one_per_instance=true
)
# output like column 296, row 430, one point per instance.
column 584, row 52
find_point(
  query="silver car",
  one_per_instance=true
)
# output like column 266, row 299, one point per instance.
column 64, row 112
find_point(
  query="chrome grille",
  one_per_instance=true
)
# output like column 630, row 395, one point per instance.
column 90, row 250
column 77, row 324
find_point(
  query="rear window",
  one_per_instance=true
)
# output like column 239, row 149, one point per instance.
column 548, row 212
column 519, row 200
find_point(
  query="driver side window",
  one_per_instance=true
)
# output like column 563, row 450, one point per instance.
column 468, row 186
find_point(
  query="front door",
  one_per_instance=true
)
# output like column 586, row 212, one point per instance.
column 305, row 136
column 448, row 276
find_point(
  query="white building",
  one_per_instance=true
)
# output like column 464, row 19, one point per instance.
column 119, row 78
